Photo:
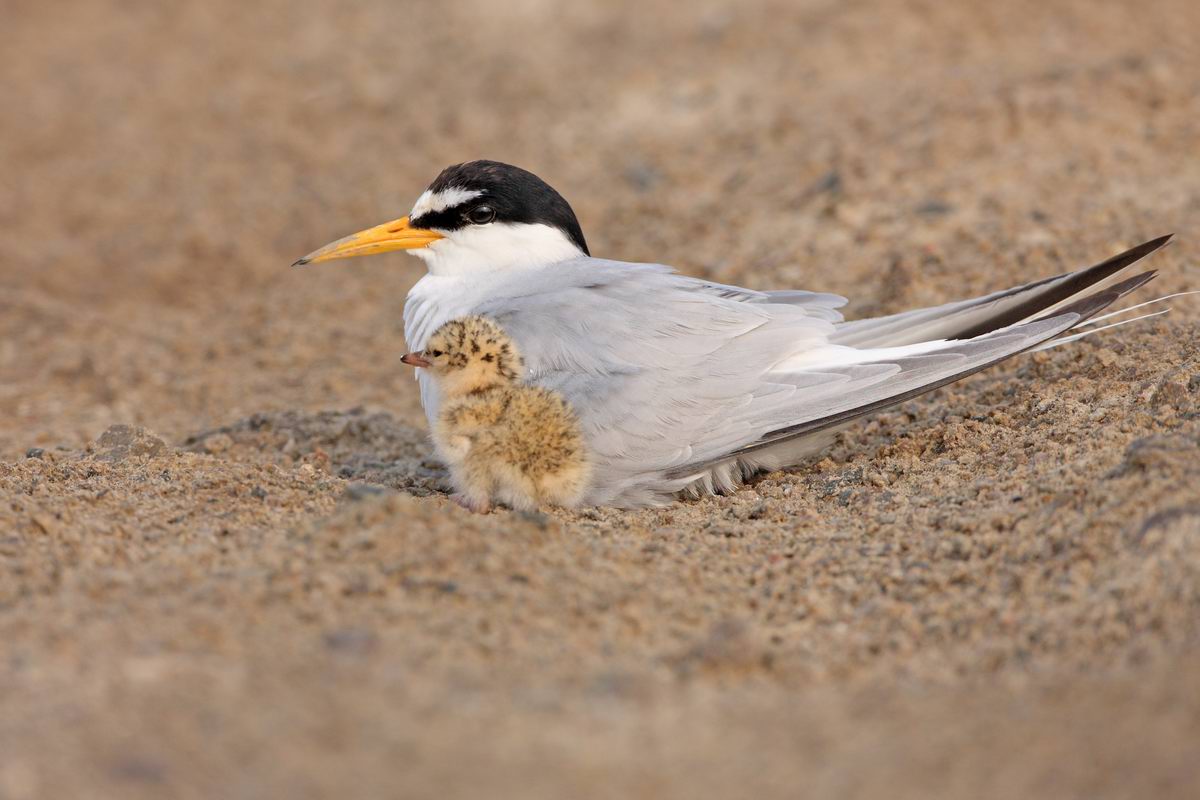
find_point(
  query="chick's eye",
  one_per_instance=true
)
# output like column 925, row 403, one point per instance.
column 481, row 215
column 435, row 353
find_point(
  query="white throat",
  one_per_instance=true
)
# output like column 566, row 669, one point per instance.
column 497, row 246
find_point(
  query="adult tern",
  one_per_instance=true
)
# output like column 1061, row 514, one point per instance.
column 682, row 385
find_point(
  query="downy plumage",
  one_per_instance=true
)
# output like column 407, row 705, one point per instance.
column 503, row 440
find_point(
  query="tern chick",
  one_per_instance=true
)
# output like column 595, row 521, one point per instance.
column 502, row 440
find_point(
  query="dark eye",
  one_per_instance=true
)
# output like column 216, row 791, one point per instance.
column 481, row 215
column 435, row 353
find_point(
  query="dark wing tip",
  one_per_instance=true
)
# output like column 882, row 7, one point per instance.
column 1146, row 248
column 1088, row 306
column 1064, row 288
column 1113, row 265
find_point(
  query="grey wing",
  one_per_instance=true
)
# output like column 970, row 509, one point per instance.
column 819, row 305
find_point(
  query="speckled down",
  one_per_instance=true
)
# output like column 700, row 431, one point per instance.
column 257, row 587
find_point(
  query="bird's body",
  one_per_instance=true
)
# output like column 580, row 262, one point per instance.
column 500, row 438
column 666, row 372
column 683, row 385
column 582, row 330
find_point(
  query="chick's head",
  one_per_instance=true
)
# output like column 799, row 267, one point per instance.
column 469, row 354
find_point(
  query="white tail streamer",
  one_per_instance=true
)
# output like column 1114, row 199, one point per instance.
column 1111, row 314
column 1077, row 336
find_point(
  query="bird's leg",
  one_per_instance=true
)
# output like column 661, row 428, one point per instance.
column 475, row 484
column 474, row 503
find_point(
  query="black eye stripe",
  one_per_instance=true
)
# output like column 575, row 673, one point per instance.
column 473, row 213
column 448, row 219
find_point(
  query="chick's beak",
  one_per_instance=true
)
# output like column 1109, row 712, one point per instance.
column 394, row 235
column 415, row 360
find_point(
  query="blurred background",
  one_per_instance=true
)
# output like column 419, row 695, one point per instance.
column 165, row 162
column 990, row 591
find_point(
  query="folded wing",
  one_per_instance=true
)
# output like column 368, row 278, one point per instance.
column 675, row 378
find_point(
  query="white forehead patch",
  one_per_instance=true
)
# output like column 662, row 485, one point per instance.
column 432, row 202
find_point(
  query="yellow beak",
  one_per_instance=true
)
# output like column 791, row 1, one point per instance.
column 394, row 235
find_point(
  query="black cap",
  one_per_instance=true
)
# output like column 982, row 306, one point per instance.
column 511, row 193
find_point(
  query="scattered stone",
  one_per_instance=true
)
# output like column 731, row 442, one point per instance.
column 120, row 442
column 35, row 452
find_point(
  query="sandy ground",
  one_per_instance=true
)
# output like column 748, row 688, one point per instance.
column 257, row 589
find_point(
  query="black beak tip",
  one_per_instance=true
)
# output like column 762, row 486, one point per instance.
column 300, row 262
